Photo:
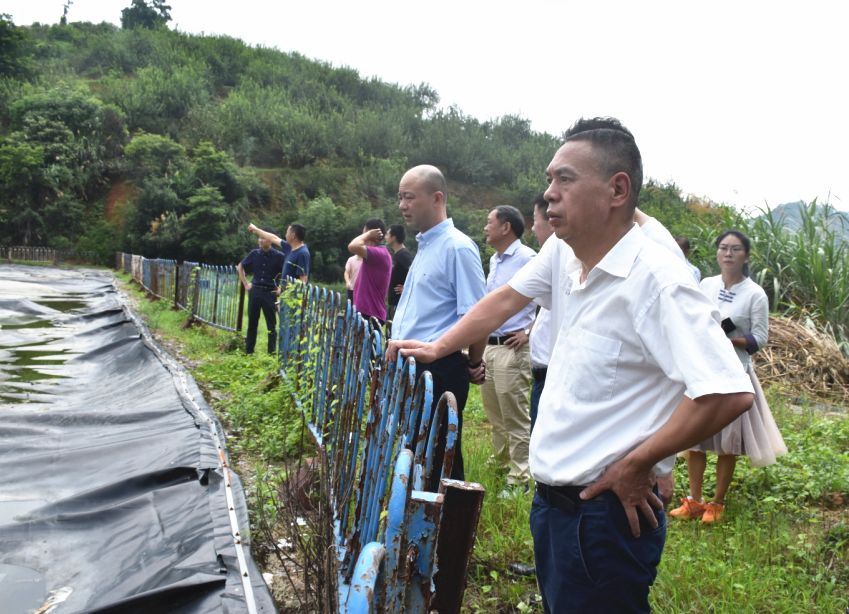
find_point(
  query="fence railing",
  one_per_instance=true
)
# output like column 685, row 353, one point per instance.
column 183, row 296
column 211, row 294
column 218, row 296
column 26, row 253
column 159, row 277
column 373, row 422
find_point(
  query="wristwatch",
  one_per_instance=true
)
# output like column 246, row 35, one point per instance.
column 527, row 332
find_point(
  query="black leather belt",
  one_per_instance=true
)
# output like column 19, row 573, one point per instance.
column 564, row 498
column 498, row 340
column 539, row 373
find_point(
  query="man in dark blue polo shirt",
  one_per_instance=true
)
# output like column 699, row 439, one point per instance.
column 297, row 264
column 266, row 264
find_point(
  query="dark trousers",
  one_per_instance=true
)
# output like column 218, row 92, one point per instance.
column 261, row 299
column 449, row 374
column 587, row 561
column 390, row 311
column 536, row 391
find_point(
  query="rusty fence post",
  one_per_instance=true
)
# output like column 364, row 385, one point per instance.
column 240, row 313
column 457, row 528
column 424, row 510
column 176, row 285
column 214, row 316
column 195, row 295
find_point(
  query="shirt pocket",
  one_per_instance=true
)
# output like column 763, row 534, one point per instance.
column 591, row 370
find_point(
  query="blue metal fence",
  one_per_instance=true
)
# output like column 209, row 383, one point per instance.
column 218, row 302
column 374, row 424
column 373, row 421
column 211, row 294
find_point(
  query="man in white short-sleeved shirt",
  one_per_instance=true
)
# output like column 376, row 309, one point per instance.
column 640, row 369
column 542, row 337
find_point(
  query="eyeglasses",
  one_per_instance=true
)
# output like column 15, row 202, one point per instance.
column 734, row 249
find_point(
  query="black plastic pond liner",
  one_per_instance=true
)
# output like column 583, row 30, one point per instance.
column 113, row 497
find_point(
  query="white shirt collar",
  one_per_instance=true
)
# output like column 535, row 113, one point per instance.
column 619, row 259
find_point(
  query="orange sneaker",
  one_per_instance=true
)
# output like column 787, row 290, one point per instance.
column 689, row 509
column 713, row 512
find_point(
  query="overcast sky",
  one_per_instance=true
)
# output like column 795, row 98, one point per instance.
column 739, row 101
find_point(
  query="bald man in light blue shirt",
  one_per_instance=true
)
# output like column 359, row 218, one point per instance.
column 445, row 281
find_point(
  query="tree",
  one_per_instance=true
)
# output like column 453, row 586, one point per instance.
column 65, row 8
column 329, row 229
column 21, row 182
column 165, row 236
column 148, row 14
column 152, row 155
column 217, row 169
column 156, row 196
column 13, row 60
column 81, row 137
column 208, row 235
column 158, row 100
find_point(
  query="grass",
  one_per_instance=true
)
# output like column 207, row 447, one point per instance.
column 770, row 554
column 783, row 546
column 503, row 535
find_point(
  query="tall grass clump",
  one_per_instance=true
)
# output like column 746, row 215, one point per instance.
column 805, row 271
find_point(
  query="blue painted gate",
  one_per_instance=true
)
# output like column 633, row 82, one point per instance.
column 374, row 423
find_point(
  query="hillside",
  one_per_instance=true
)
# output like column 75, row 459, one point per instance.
column 151, row 141
column 204, row 133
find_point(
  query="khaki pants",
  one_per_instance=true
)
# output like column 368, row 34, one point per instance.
column 505, row 401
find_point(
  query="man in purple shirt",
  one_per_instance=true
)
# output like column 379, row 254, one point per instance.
column 373, row 279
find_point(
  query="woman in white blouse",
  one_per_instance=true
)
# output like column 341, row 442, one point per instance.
column 744, row 311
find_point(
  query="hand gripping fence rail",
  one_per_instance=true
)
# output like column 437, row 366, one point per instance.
column 373, row 422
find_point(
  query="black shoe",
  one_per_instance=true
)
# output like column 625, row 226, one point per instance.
column 521, row 569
